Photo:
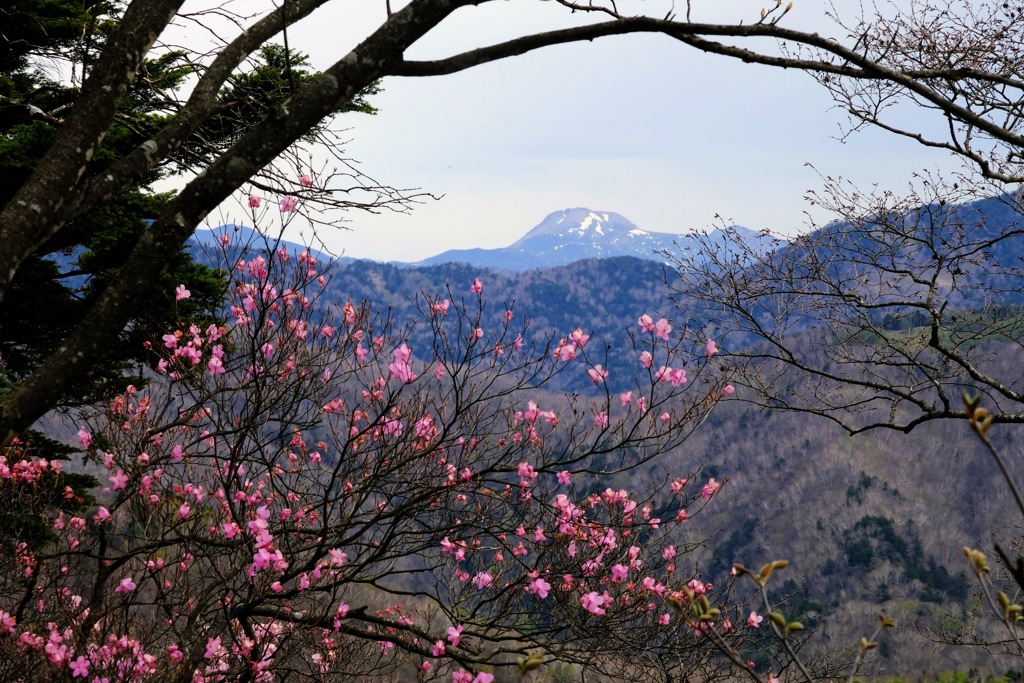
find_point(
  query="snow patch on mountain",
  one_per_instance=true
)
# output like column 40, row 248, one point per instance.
column 590, row 219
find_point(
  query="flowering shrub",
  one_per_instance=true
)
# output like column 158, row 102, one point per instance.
column 301, row 491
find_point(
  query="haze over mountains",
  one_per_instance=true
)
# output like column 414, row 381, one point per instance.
column 563, row 237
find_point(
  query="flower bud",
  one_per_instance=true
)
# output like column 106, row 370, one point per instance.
column 766, row 571
column 532, row 662
column 976, row 558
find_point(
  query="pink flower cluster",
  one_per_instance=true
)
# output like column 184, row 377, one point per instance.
column 221, row 503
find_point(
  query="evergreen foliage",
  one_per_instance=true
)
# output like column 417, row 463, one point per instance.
column 54, row 289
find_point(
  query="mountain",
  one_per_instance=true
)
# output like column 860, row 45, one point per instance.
column 576, row 234
column 854, row 514
column 205, row 245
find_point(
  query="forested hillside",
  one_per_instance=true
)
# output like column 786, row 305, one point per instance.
column 777, row 462
column 875, row 521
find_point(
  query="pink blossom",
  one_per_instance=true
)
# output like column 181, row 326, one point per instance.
column 349, row 312
column 728, row 390
column 84, row 437
column 440, row 307
column 400, row 367
column 462, row 676
column 305, row 180
column 711, row 348
column 288, row 204
column 402, row 354
column 579, row 338
column 254, row 201
column 483, row 677
column 55, row 651
column 565, row 477
column 592, row 602
column 454, row 635
column 181, row 293
column 664, row 619
column 212, row 645
column 539, row 587
column 29, row 640
column 619, row 572
column 662, row 329
column 126, row 585
column 393, row 428
column 477, row 286
column 483, row 580
column 184, row 511
column 102, row 515
column 527, row 472
column 118, row 481
column 80, row 667
column 646, row 359
column 7, row 622
column 438, row 649
column 626, row 398
column 174, row 653
column 710, row 489
column 646, row 323
column 675, row 375
column 566, row 352
column 597, row 374
column 754, row 621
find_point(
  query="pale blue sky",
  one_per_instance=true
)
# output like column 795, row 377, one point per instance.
column 640, row 125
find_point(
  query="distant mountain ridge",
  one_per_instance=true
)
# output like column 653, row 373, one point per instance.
column 570, row 235
column 562, row 238
column 209, row 240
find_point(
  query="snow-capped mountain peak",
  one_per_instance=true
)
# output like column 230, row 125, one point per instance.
column 572, row 235
column 579, row 224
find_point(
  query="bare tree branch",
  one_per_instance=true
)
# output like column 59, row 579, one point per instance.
column 938, row 61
